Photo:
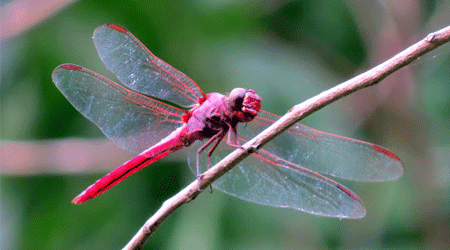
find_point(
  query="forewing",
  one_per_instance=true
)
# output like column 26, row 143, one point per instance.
column 326, row 153
column 131, row 120
column 137, row 68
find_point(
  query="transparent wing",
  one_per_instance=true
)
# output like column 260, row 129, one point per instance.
column 287, row 171
column 131, row 120
column 266, row 179
column 326, row 153
column 137, row 68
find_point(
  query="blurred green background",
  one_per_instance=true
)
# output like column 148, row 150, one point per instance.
column 287, row 51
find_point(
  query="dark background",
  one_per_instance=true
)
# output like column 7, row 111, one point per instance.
column 287, row 51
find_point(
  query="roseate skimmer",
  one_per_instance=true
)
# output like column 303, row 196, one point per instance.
column 161, row 110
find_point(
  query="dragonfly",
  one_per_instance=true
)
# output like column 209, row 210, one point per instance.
column 159, row 110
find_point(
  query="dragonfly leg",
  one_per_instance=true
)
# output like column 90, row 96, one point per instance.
column 235, row 143
column 218, row 138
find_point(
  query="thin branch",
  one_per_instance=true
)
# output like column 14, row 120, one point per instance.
column 297, row 113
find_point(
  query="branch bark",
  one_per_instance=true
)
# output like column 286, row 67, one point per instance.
column 295, row 114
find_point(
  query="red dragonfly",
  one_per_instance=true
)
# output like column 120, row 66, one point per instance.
column 161, row 110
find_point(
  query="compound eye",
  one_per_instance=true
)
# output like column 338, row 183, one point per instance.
column 235, row 98
column 237, row 93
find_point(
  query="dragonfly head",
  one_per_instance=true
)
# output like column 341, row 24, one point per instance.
column 244, row 103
